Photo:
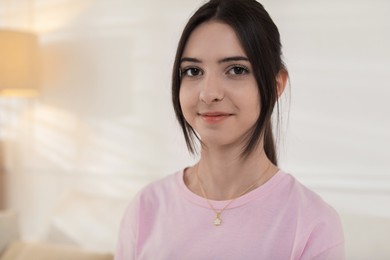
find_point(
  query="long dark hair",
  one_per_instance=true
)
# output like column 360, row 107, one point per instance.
column 260, row 40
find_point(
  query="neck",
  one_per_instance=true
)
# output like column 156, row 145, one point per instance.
column 225, row 175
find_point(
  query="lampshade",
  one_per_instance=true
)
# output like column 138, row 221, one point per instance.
column 18, row 63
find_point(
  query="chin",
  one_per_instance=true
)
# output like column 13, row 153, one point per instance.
column 220, row 141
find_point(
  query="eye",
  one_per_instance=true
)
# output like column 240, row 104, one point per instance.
column 191, row 72
column 238, row 70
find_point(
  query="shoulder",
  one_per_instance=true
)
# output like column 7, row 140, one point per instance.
column 162, row 185
column 320, row 223
column 306, row 199
column 151, row 197
column 157, row 191
column 144, row 203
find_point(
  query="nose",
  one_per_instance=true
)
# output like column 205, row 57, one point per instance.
column 211, row 90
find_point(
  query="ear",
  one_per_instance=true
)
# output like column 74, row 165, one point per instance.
column 281, row 81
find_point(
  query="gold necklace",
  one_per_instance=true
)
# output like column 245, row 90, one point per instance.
column 218, row 220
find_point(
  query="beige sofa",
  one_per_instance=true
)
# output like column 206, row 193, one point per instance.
column 12, row 248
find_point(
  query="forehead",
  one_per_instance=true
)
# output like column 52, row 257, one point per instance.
column 213, row 40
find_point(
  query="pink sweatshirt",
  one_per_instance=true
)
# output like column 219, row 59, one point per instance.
column 280, row 220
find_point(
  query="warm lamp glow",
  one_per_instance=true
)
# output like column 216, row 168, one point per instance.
column 19, row 73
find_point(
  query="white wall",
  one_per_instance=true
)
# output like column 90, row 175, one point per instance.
column 339, row 129
column 103, row 125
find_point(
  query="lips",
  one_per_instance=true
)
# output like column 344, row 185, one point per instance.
column 214, row 117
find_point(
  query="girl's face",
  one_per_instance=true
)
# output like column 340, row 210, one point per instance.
column 218, row 94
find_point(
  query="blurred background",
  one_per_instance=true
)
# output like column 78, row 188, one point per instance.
column 99, row 125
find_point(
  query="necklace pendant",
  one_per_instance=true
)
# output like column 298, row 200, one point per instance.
column 217, row 220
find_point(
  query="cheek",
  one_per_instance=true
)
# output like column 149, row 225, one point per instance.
column 257, row 105
column 182, row 99
column 248, row 99
column 252, row 106
column 252, row 111
column 187, row 99
column 184, row 104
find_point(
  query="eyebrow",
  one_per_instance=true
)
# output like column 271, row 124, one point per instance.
column 234, row 58
column 224, row 60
